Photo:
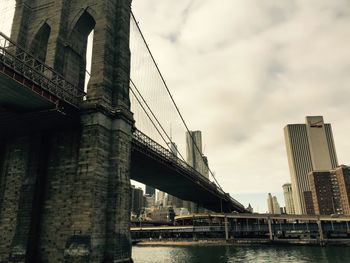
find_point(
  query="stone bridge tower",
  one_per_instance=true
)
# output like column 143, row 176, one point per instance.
column 65, row 191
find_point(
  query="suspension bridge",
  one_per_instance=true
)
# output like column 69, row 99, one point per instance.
column 68, row 152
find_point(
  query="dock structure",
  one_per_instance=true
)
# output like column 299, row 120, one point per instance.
column 261, row 228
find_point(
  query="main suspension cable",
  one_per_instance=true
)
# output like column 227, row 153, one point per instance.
column 172, row 99
column 155, row 117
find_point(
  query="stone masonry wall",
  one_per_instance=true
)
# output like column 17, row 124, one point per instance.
column 65, row 194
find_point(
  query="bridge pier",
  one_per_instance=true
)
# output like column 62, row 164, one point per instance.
column 66, row 196
column 320, row 232
column 226, row 229
column 65, row 190
column 271, row 234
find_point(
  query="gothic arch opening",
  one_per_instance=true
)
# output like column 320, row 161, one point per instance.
column 38, row 46
column 88, row 59
column 75, row 55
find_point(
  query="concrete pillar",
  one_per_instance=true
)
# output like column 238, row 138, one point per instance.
column 226, row 229
column 270, row 228
column 320, row 231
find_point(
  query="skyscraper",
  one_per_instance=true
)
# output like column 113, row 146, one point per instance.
column 195, row 159
column 136, row 199
column 310, row 147
column 194, row 153
column 273, row 205
column 288, row 198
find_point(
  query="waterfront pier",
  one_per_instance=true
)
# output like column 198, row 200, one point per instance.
column 251, row 228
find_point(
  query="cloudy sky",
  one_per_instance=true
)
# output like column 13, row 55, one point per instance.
column 241, row 70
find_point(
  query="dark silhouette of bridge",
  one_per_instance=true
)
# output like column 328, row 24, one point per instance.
column 66, row 156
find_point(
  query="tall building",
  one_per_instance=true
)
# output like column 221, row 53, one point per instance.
column 195, row 159
column 273, row 205
column 160, row 198
column 194, row 153
column 310, row 147
column 137, row 200
column 288, row 198
column 276, row 206
column 270, row 204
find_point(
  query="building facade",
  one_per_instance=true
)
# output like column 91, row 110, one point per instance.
column 342, row 174
column 196, row 159
column 288, row 198
column 310, row 147
column 194, row 154
column 137, row 200
column 323, row 194
column 330, row 191
column 150, row 190
column 273, row 205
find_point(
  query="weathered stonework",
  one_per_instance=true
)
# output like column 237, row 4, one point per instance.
column 65, row 194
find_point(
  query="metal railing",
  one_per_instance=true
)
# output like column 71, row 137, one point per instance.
column 144, row 140
column 23, row 63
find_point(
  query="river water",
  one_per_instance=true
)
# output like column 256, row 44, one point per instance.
column 226, row 254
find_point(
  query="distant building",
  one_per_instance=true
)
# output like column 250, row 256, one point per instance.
column 270, row 204
column 173, row 148
column 273, row 205
column 150, row 200
column 150, row 190
column 162, row 214
column 310, row 147
column 196, row 159
column 283, row 210
column 276, row 206
column 137, row 200
column 205, row 169
column 250, row 209
column 181, row 211
column 174, row 201
column 288, row 198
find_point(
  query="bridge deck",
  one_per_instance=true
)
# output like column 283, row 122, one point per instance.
column 26, row 107
column 155, row 166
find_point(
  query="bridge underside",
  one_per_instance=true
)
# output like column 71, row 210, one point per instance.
column 151, row 170
column 26, row 107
